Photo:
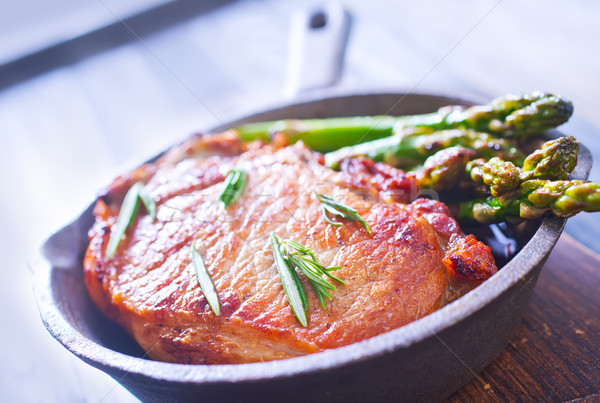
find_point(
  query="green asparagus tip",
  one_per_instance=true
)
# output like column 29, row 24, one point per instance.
column 555, row 160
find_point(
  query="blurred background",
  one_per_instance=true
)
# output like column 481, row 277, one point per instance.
column 90, row 88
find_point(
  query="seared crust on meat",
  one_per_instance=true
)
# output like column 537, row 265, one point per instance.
column 394, row 276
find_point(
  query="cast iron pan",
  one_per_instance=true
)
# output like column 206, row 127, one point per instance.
column 423, row 361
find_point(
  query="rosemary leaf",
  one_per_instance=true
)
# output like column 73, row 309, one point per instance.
column 290, row 255
column 312, row 275
column 148, row 202
column 334, row 207
column 319, row 295
column 126, row 215
column 291, row 282
column 206, row 284
column 300, row 288
column 331, row 276
column 329, row 220
column 235, row 182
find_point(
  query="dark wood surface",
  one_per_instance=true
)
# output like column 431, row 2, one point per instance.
column 555, row 354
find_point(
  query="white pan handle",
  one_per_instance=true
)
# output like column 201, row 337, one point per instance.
column 317, row 42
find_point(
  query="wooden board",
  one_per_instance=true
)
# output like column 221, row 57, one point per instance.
column 555, row 354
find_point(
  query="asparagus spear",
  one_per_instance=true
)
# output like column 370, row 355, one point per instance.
column 501, row 176
column 446, row 169
column 322, row 135
column 533, row 199
column 413, row 149
column 535, row 189
column 555, row 160
column 519, row 115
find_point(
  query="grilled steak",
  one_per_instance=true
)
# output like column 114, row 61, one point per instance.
column 415, row 261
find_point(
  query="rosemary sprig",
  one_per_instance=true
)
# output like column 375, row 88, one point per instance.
column 291, row 282
column 127, row 213
column 206, row 284
column 289, row 255
column 334, row 207
column 235, row 182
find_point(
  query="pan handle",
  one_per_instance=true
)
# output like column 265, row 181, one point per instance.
column 317, row 43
